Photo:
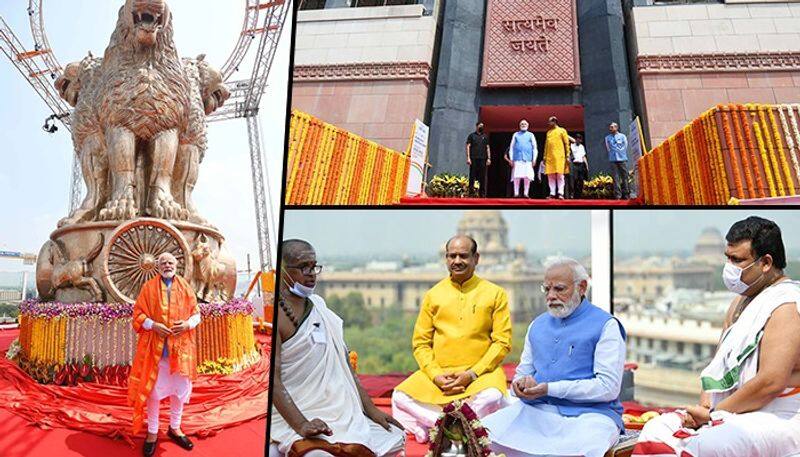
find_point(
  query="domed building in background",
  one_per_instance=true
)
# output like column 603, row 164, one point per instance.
column 490, row 231
column 710, row 247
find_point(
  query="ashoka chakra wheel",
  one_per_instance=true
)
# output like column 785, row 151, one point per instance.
column 129, row 257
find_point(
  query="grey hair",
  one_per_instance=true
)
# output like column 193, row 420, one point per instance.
column 578, row 271
column 165, row 255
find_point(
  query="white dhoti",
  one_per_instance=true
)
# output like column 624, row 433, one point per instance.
column 538, row 430
column 315, row 370
column 418, row 418
column 772, row 431
column 759, row 433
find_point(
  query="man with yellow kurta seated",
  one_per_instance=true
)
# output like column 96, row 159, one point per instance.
column 556, row 152
column 461, row 336
column 164, row 316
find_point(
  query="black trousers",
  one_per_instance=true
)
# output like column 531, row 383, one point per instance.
column 477, row 172
column 580, row 173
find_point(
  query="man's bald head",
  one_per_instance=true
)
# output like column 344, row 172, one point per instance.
column 292, row 250
column 463, row 238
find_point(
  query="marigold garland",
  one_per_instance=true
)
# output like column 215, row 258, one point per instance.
column 729, row 153
column 776, row 133
column 774, row 159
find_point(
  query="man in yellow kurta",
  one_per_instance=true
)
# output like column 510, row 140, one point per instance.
column 461, row 336
column 556, row 153
column 164, row 317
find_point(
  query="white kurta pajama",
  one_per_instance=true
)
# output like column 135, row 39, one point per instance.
column 539, row 430
column 315, row 370
column 772, row 431
column 173, row 385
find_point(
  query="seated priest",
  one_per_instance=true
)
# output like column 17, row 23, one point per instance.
column 569, row 377
column 319, row 407
column 750, row 404
column 461, row 336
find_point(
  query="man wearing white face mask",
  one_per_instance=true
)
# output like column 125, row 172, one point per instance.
column 320, row 408
column 750, row 403
column 569, row 377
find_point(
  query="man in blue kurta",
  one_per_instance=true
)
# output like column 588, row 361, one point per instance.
column 569, row 377
column 617, row 147
column 523, row 152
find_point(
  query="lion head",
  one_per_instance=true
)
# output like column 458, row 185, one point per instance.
column 68, row 85
column 76, row 76
column 146, row 18
column 213, row 90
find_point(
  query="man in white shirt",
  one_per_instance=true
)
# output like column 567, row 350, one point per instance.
column 580, row 166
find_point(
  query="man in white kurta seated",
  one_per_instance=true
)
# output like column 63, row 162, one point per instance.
column 319, row 406
column 569, row 377
column 750, row 405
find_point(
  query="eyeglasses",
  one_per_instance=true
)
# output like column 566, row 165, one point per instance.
column 558, row 288
column 306, row 270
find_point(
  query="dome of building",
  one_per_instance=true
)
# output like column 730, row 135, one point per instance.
column 710, row 245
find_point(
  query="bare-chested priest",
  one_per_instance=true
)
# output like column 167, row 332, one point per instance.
column 319, row 406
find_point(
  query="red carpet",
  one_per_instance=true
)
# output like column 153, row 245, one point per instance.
column 420, row 201
column 47, row 420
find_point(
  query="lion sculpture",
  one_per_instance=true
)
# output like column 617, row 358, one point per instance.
column 139, row 120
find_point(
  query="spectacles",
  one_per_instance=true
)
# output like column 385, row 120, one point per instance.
column 558, row 288
column 306, row 270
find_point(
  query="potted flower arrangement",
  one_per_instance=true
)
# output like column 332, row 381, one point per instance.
column 448, row 185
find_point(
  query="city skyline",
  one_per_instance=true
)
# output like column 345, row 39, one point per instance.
column 371, row 235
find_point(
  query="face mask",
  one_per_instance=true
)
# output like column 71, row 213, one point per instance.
column 480, row 129
column 301, row 290
column 732, row 277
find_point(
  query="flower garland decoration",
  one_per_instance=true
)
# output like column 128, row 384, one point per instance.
column 755, row 166
column 715, row 148
column 735, row 168
column 796, row 137
column 774, row 159
column 742, row 153
column 757, row 151
column 458, row 423
column 763, row 150
column 776, row 133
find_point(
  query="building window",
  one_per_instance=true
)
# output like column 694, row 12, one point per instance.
column 698, row 350
column 360, row 3
column 312, row 4
column 382, row 300
column 650, row 343
column 680, row 347
column 664, row 345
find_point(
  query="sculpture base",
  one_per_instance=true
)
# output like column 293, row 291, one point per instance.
column 109, row 261
column 66, row 344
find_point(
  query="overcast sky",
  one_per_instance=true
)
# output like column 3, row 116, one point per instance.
column 677, row 230
column 391, row 233
column 35, row 171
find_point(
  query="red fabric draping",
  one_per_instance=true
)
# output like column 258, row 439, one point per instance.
column 217, row 402
column 421, row 201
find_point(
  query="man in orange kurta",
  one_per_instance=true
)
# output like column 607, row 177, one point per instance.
column 164, row 316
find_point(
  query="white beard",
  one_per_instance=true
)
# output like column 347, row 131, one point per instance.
column 565, row 309
column 169, row 275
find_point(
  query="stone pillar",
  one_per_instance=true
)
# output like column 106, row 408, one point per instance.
column 605, row 81
column 605, row 89
column 455, row 105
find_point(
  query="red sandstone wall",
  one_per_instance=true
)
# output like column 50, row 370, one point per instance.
column 674, row 99
column 382, row 111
